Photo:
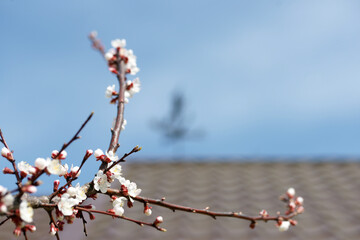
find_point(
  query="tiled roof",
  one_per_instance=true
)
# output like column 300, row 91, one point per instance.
column 331, row 192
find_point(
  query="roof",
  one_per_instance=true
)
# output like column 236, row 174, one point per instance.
column 331, row 192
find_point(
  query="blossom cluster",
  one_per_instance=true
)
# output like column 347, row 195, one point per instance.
column 53, row 166
column 113, row 56
column 294, row 205
column 104, row 178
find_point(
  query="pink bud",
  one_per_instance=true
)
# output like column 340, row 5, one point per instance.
column 17, row 231
column 53, row 229
column 300, row 209
column 31, row 228
column 7, row 170
column 23, row 174
column 75, row 172
column 293, row 222
column 56, row 185
column 92, row 217
column 89, row 152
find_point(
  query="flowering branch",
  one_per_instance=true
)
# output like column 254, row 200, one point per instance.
column 67, row 200
column 155, row 224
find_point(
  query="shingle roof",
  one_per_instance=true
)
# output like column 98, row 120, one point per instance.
column 331, row 192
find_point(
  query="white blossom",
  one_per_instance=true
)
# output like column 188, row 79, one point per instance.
column 133, row 191
column 74, row 170
column 26, row 211
column 118, row 43
column 112, row 156
column 110, row 54
column 66, row 204
column 284, row 226
column 119, row 201
column 115, row 170
column 118, row 205
column 109, row 91
column 78, row 192
column 100, row 182
column 132, row 87
column 41, row 163
column 26, row 168
column 119, row 210
column 56, row 168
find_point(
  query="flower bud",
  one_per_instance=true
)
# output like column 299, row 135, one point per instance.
column 99, row 154
column 17, row 231
column 158, row 220
column 284, row 226
column 53, row 229
column 55, row 154
column 113, row 70
column 6, row 153
column 299, row 201
column 88, row 153
column 31, row 228
column 74, row 171
column 7, row 170
column 290, row 192
column 41, row 163
column 147, row 210
column 56, row 185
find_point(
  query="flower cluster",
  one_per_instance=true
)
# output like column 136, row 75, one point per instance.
column 103, row 180
column 120, row 52
column 114, row 56
column 294, row 206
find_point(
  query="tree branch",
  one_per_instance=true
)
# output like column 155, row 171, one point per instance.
column 75, row 137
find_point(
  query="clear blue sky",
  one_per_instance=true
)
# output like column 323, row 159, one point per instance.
column 263, row 78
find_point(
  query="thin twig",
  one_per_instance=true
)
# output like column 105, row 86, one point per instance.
column 84, row 222
column 18, row 178
column 4, row 221
column 212, row 214
column 135, row 149
column 141, row 223
column 75, row 137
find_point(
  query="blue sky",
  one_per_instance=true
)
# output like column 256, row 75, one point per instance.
column 262, row 78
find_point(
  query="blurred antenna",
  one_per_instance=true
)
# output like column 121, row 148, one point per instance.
column 177, row 126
